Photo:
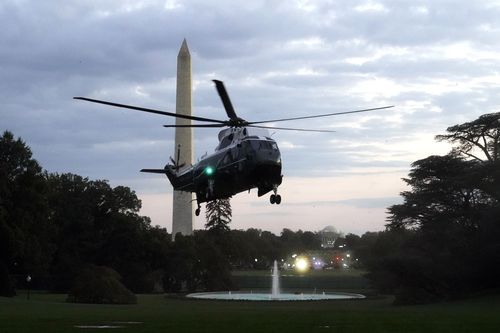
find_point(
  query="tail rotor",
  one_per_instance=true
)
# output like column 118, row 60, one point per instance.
column 175, row 163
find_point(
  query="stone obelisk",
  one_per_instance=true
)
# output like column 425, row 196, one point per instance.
column 182, row 217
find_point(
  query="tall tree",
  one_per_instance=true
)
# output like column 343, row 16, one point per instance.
column 218, row 215
column 448, row 225
column 23, row 209
column 442, row 188
column 478, row 139
column 97, row 224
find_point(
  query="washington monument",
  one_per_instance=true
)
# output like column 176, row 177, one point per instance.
column 182, row 217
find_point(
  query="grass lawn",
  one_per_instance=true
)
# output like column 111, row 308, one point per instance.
column 155, row 313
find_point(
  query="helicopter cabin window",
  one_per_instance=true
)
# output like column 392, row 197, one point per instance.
column 263, row 144
column 268, row 145
column 255, row 144
column 226, row 141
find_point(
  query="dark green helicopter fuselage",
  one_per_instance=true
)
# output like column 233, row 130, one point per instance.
column 251, row 163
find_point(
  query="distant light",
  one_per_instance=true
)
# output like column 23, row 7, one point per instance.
column 301, row 264
column 256, row 259
column 348, row 255
column 209, row 171
column 318, row 264
column 294, row 255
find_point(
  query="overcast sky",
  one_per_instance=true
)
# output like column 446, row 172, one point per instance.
column 437, row 61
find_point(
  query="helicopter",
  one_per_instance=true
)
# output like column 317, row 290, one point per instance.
column 246, row 157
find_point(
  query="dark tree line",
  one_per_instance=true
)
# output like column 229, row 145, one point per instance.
column 443, row 241
column 55, row 226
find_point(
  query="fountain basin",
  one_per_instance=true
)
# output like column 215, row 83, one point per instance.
column 275, row 295
column 250, row 296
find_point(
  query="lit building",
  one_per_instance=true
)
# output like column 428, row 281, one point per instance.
column 328, row 237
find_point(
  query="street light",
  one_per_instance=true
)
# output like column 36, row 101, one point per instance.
column 28, row 281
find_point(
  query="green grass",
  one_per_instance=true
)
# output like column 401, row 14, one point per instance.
column 49, row 313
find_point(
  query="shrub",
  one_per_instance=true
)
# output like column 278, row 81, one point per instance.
column 100, row 285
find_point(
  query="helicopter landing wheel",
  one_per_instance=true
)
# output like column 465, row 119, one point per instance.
column 275, row 199
column 197, row 211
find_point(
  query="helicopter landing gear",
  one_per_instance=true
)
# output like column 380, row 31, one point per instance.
column 275, row 198
column 198, row 208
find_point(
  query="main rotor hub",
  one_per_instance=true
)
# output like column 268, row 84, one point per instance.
column 237, row 122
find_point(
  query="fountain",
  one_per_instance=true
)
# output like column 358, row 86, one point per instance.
column 275, row 295
column 275, row 290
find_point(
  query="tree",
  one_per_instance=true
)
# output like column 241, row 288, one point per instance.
column 212, row 267
column 218, row 215
column 442, row 241
column 482, row 134
column 98, row 224
column 182, row 266
column 26, row 232
column 443, row 189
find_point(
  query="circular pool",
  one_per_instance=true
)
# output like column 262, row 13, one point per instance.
column 251, row 296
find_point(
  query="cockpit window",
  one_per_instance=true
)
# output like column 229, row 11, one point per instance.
column 263, row 144
column 226, row 141
column 255, row 144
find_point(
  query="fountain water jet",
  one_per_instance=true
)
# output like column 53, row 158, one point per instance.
column 275, row 289
column 275, row 295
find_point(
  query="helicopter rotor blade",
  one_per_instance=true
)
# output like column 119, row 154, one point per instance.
column 221, row 89
column 137, row 108
column 196, row 125
column 320, row 115
column 292, row 129
column 162, row 171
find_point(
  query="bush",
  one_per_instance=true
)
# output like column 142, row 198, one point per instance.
column 100, row 285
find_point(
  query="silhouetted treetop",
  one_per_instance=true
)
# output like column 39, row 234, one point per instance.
column 481, row 135
column 218, row 215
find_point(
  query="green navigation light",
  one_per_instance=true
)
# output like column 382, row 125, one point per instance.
column 209, row 171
